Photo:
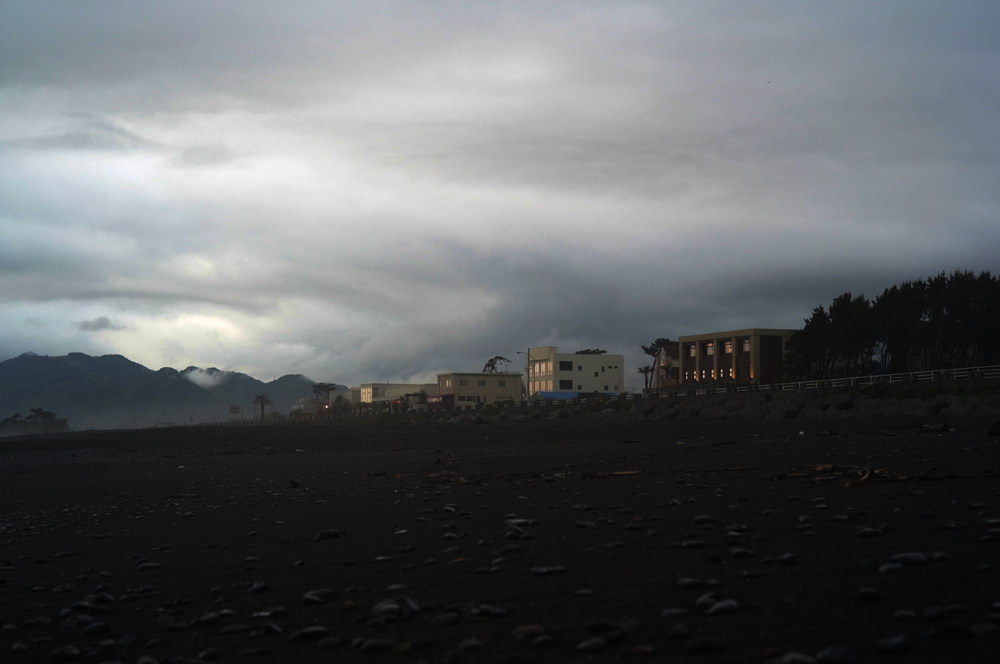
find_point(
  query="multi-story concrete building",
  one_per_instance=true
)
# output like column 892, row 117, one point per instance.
column 378, row 392
column 552, row 371
column 743, row 357
column 467, row 389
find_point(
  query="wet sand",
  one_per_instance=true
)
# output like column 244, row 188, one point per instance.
column 570, row 540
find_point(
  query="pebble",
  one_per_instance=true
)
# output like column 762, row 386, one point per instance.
column 328, row 535
column 546, row 570
column 894, row 644
column 837, row 655
column 594, row 644
column 721, row 607
column 377, row 645
column 949, row 630
column 311, row 633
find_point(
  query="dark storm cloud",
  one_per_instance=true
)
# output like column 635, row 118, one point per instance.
column 379, row 191
column 99, row 324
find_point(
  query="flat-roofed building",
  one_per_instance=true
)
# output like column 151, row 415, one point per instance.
column 552, row 371
column 379, row 392
column 752, row 356
column 469, row 389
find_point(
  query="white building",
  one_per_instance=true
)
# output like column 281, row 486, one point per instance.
column 377, row 392
column 552, row 371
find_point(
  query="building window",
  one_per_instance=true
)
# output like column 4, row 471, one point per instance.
column 595, row 374
column 565, row 385
column 463, row 383
column 709, row 348
column 691, row 351
column 579, row 387
column 746, row 345
column 501, row 383
column 616, row 388
column 727, row 347
column 480, row 383
column 565, row 366
column 579, row 367
column 605, row 388
column 447, row 382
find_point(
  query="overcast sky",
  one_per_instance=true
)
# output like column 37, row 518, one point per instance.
column 379, row 191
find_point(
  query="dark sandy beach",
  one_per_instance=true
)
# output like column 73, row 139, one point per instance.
column 570, row 540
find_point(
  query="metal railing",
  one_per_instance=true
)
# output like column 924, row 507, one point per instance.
column 974, row 376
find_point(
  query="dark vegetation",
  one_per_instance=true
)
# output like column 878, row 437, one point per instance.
column 944, row 322
column 38, row 420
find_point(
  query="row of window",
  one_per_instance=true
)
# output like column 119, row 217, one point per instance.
column 464, row 382
column 544, row 368
column 708, row 348
column 724, row 372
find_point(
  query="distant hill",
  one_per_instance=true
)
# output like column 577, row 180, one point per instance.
column 111, row 391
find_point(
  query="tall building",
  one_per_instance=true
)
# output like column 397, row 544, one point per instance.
column 743, row 357
column 552, row 371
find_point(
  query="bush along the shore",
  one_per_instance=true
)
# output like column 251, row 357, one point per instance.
column 38, row 420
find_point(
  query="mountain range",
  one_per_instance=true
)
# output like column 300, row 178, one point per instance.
column 111, row 391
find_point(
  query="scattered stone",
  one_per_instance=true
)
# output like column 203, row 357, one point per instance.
column 328, row 535
column 949, row 630
column 311, row 633
column 894, row 645
column 546, row 570
column 595, row 644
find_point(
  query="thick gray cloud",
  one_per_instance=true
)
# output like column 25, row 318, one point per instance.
column 98, row 324
column 376, row 191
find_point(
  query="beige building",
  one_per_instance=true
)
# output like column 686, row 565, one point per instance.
column 745, row 357
column 378, row 392
column 552, row 371
column 468, row 389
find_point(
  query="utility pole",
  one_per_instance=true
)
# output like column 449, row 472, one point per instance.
column 527, row 374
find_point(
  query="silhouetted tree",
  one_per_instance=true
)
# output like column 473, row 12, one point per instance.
column 591, row 351
column 492, row 366
column 654, row 348
column 647, row 373
column 945, row 322
column 321, row 389
column 262, row 400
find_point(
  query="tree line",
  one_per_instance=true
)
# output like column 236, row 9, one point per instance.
column 944, row 322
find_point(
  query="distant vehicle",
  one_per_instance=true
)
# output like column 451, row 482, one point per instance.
column 418, row 408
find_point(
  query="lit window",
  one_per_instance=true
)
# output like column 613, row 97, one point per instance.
column 709, row 348
column 746, row 345
column 727, row 347
column 691, row 351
